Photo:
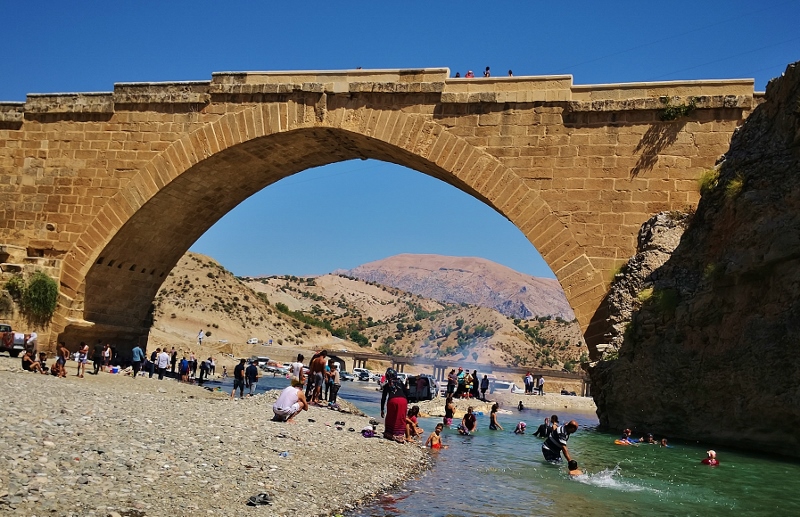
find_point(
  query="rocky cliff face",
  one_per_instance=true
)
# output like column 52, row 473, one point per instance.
column 711, row 353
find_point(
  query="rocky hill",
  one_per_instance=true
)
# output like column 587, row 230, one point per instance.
column 338, row 312
column 470, row 280
column 395, row 322
column 709, row 351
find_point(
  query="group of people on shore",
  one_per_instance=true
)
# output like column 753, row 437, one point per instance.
column 467, row 385
column 322, row 384
column 533, row 385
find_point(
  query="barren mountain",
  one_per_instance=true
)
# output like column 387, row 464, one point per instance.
column 337, row 312
column 470, row 280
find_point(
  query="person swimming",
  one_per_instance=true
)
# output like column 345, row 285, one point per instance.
column 434, row 441
column 711, row 459
column 572, row 465
column 520, row 407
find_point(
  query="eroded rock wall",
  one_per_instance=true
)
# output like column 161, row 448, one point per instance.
column 711, row 353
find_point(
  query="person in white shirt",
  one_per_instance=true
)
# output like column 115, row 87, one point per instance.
column 290, row 402
column 297, row 369
column 162, row 362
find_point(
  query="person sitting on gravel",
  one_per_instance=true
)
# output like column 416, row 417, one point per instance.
column 43, row 362
column 29, row 365
column 413, row 431
column 291, row 401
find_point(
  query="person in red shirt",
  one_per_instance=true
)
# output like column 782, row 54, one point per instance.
column 711, row 459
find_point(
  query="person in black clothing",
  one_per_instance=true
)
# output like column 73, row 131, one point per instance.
column 152, row 366
column 484, row 387
column 204, row 368
column 173, row 360
column 238, row 379
column 544, row 429
column 252, row 377
column 97, row 357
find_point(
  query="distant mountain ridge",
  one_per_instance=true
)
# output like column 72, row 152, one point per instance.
column 471, row 280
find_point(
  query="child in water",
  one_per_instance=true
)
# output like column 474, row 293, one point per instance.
column 520, row 429
column 434, row 441
column 573, row 468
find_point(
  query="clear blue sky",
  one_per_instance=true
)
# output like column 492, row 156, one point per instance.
column 343, row 215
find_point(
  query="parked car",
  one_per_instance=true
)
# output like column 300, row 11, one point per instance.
column 259, row 360
column 359, row 371
column 504, row 387
column 364, row 376
column 15, row 342
column 252, row 341
column 346, row 376
column 422, row 387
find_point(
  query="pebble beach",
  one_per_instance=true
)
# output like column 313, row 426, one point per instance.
column 111, row 445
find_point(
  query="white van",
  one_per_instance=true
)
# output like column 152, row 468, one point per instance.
column 252, row 341
column 504, row 387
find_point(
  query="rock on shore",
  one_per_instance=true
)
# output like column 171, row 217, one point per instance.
column 113, row 445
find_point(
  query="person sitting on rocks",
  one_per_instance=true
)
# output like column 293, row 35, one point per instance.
column 29, row 365
column 413, row 431
column 291, row 401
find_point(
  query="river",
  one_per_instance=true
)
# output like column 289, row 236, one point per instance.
column 498, row 473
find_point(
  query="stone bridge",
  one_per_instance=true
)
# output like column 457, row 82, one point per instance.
column 107, row 190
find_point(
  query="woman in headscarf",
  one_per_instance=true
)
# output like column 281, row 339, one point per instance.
column 395, row 402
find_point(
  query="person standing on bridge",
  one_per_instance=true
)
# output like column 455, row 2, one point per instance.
column 487, row 73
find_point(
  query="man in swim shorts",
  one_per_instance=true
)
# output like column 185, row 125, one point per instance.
column 291, row 401
column 556, row 443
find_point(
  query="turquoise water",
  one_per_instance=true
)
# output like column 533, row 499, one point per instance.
column 498, row 473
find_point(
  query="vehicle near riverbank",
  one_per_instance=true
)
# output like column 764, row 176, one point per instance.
column 15, row 342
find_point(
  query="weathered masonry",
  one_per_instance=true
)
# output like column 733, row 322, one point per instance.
column 108, row 190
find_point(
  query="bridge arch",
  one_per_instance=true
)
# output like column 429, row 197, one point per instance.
column 114, row 270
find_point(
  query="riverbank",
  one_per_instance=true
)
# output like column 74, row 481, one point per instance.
column 113, row 445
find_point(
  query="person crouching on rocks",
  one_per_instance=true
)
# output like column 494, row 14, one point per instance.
column 291, row 401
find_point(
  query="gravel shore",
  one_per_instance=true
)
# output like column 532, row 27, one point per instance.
column 110, row 445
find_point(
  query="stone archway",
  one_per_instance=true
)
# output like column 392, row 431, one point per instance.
column 115, row 269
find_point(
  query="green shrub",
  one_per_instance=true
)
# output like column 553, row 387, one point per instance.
column 645, row 294
column 734, row 186
column 16, row 287
column 708, row 180
column 40, row 298
column 676, row 111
